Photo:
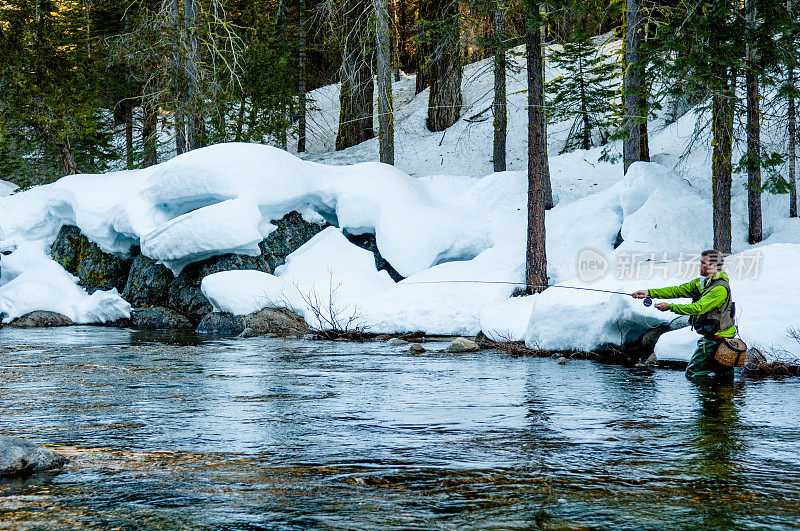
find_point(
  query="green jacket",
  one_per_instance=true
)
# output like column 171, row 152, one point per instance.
column 715, row 297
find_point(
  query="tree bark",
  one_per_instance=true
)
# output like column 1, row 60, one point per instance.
column 499, row 109
column 178, row 90
column 423, row 47
column 792, row 158
column 301, row 83
column 355, row 116
column 444, row 102
column 128, row 133
column 384, row 77
column 538, row 168
column 753, row 136
column 722, row 110
column 635, row 144
column 149, row 140
column 67, row 157
column 394, row 38
column 195, row 127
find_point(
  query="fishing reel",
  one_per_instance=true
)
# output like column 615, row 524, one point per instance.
column 647, row 302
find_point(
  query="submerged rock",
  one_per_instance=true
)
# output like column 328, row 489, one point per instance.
column 158, row 318
column 20, row 457
column 41, row 319
column 416, row 348
column 274, row 321
column 148, row 283
column 561, row 360
column 396, row 342
column 461, row 344
column 95, row 269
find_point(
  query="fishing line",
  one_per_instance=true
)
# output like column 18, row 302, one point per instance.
column 648, row 301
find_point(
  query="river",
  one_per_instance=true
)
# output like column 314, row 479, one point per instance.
column 171, row 431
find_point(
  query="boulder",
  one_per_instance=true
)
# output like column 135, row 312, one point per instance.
column 274, row 321
column 461, row 344
column 754, row 360
column 184, row 293
column 158, row 318
column 95, row 269
column 221, row 324
column 367, row 241
column 277, row 321
column 148, row 283
column 21, row 457
column 41, row 319
column 416, row 348
column 396, row 342
column 292, row 232
column 650, row 337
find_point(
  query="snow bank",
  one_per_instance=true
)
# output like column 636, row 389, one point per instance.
column 765, row 309
column 6, row 187
column 30, row 281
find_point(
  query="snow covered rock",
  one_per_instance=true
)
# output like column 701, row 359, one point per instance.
column 31, row 281
column 95, row 269
column 40, row 319
column 292, row 232
column 20, row 457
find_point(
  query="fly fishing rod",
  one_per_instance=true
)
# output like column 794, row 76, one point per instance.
column 647, row 301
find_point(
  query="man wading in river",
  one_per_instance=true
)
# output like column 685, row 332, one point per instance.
column 711, row 313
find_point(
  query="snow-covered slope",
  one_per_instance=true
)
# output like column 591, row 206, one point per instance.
column 440, row 217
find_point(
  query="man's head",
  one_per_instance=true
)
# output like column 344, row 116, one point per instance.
column 711, row 262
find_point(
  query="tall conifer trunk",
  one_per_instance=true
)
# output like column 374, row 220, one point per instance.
column 445, row 69
column 792, row 158
column 722, row 110
column 499, row 103
column 301, row 84
column 634, row 147
column 538, row 167
column 355, row 97
column 753, row 134
column 384, row 78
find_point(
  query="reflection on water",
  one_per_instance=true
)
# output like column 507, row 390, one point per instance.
column 170, row 431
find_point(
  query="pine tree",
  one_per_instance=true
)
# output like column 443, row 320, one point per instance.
column 584, row 94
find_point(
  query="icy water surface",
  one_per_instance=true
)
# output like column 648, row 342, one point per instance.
column 171, row 432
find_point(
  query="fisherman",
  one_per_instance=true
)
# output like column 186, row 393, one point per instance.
column 711, row 313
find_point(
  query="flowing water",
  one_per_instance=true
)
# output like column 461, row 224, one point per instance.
column 170, row 431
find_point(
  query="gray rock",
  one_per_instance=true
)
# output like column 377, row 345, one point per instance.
column 416, row 348
column 276, row 321
column 273, row 321
column 21, row 457
column 148, row 283
column 247, row 332
column 562, row 360
column 158, row 318
column 367, row 241
column 754, row 359
column 651, row 336
column 184, row 293
column 292, row 232
column 396, row 342
column 221, row 324
column 95, row 269
column 41, row 319
column 461, row 344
